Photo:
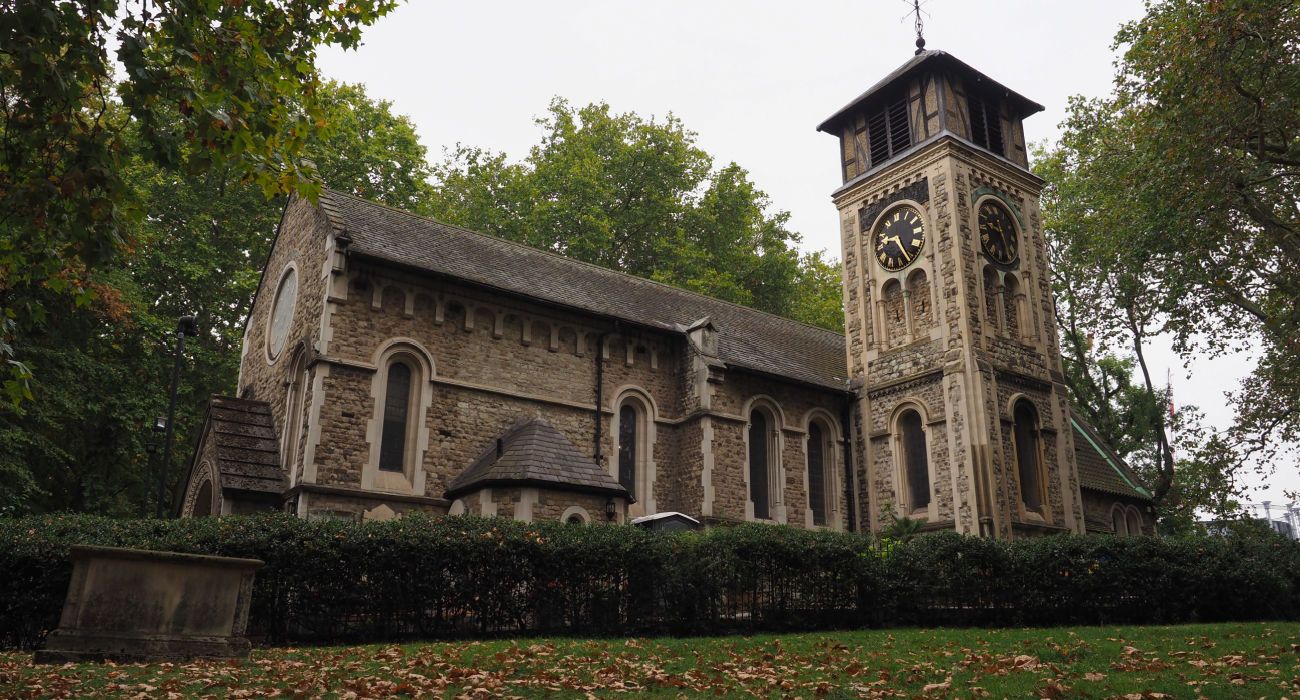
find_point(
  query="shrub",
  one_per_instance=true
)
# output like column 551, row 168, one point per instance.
column 334, row 581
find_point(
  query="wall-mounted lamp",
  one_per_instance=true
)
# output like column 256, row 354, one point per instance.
column 610, row 510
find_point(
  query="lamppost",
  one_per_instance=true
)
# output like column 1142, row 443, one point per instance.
column 185, row 325
column 152, row 443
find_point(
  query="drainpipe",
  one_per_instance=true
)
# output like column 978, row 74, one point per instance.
column 598, row 434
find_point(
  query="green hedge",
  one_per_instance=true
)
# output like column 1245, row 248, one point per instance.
column 331, row 581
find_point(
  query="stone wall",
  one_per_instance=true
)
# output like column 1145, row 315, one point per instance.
column 1009, row 495
column 303, row 242
column 488, row 360
column 924, row 393
column 986, row 321
column 733, row 399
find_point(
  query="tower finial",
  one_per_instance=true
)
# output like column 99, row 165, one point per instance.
column 920, row 27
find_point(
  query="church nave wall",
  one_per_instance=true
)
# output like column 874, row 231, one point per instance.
column 733, row 399
column 300, row 246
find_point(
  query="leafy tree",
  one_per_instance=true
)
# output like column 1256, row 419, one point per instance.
column 820, row 297
column 1189, row 174
column 103, row 369
column 638, row 195
column 1104, row 306
column 224, row 87
column 1107, row 315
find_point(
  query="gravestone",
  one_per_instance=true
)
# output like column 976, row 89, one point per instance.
column 142, row 605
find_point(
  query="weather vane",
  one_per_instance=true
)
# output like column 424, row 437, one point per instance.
column 920, row 26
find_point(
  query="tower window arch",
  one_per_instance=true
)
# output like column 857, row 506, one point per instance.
column 894, row 313
column 1011, row 305
column 991, row 288
column 915, row 461
column 1028, row 452
column 921, row 312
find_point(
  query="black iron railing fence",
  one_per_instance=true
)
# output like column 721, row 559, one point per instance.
column 333, row 581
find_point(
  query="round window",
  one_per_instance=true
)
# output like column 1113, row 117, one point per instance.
column 282, row 313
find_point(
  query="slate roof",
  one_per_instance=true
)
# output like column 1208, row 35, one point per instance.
column 1100, row 469
column 532, row 452
column 931, row 60
column 536, row 452
column 747, row 338
column 243, row 438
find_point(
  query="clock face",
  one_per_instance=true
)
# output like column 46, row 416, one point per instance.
column 998, row 233
column 900, row 236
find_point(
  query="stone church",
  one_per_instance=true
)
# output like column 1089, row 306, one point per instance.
column 392, row 363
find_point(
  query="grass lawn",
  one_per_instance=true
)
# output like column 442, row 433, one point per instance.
column 1212, row 661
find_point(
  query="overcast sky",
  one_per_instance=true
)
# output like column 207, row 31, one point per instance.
column 753, row 79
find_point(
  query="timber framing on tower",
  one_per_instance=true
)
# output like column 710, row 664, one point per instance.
column 931, row 95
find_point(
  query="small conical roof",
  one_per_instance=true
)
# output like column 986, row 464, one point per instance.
column 533, row 453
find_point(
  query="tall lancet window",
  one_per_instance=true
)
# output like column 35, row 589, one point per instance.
column 916, row 463
column 1027, row 462
column 397, row 410
column 627, row 448
column 758, row 465
column 817, row 473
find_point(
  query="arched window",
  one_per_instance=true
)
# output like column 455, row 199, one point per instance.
column 1117, row 521
column 397, row 433
column 627, row 447
column 1027, row 462
column 991, row 285
column 395, row 441
column 817, row 472
column 633, row 461
column 894, row 308
column 766, row 476
column 575, row 515
column 1011, row 305
column 203, row 500
column 292, row 433
column 918, row 288
column 916, row 463
column 758, row 464
column 1134, row 521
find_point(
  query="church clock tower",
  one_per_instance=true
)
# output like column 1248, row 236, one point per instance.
column 962, row 418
